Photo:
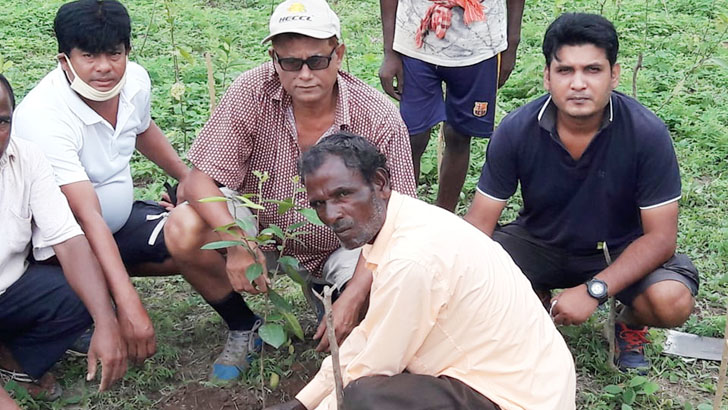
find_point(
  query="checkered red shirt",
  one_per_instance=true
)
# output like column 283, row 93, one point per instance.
column 253, row 130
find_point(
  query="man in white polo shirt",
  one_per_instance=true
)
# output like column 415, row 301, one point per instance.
column 95, row 110
column 43, row 308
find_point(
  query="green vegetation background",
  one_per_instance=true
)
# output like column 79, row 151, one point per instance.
column 684, row 79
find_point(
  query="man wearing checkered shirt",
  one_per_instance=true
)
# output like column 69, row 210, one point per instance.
column 267, row 117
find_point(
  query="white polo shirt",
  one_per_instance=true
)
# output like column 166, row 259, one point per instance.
column 80, row 144
column 32, row 209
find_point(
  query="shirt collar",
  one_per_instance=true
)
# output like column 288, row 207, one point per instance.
column 374, row 253
column 79, row 107
column 8, row 155
column 273, row 87
column 547, row 115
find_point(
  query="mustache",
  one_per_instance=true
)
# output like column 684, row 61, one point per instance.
column 341, row 225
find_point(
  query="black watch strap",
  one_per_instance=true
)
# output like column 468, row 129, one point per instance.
column 598, row 290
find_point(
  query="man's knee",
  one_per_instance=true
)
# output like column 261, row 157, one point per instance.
column 669, row 302
column 454, row 139
column 361, row 394
column 183, row 231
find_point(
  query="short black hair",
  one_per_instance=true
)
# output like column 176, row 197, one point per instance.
column 575, row 29
column 355, row 151
column 94, row 26
column 5, row 83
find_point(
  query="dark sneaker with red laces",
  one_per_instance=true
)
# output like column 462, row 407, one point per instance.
column 630, row 345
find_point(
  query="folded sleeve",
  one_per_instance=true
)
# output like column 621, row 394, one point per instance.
column 499, row 177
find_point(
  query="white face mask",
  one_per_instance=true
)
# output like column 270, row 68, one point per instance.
column 86, row 91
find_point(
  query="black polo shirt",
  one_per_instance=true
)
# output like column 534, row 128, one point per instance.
column 574, row 204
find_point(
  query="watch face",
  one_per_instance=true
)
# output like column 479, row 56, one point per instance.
column 597, row 288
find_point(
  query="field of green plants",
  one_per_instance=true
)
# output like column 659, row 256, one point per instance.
column 683, row 78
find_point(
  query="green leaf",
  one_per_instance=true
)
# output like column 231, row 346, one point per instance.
column 278, row 301
column 293, row 227
column 650, row 387
column 186, row 55
column 310, row 215
column 293, row 324
column 248, row 203
column 273, row 317
column 245, row 224
column 705, row 406
column 221, row 244
column 637, row 381
column 626, row 406
column 254, row 271
column 628, row 396
column 273, row 334
column 719, row 62
column 289, row 261
column 274, row 230
column 213, row 199
column 283, row 206
column 613, row 389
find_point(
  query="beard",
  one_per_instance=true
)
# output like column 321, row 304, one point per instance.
column 366, row 232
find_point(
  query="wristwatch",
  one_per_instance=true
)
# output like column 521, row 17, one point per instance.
column 597, row 289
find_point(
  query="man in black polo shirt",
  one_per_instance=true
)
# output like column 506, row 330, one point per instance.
column 594, row 166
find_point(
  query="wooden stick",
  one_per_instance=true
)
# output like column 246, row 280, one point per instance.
column 612, row 314
column 331, row 336
column 210, row 81
column 634, row 76
column 723, row 364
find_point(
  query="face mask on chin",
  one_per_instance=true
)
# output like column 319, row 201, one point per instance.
column 86, row 91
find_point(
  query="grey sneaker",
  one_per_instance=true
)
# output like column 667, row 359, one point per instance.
column 236, row 355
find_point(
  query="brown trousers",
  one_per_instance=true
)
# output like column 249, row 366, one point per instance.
column 408, row 391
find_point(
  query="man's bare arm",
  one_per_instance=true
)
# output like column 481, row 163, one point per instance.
column 641, row 257
column 484, row 213
column 83, row 273
column 508, row 58
column 391, row 67
column 135, row 323
column 154, row 145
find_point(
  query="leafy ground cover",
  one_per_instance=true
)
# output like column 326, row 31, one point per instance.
column 683, row 78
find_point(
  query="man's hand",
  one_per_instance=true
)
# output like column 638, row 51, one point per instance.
column 507, row 64
column 136, row 329
column 347, row 314
column 289, row 405
column 573, row 306
column 238, row 261
column 108, row 347
column 390, row 70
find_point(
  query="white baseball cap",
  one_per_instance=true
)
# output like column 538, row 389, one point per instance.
column 312, row 18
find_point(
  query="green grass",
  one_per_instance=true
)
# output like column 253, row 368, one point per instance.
column 684, row 79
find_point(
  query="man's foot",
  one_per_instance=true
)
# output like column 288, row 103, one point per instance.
column 235, row 356
column 80, row 347
column 630, row 345
column 44, row 389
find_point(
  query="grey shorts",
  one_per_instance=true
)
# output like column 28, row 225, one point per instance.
column 551, row 268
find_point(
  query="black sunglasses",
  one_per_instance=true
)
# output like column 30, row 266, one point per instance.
column 313, row 62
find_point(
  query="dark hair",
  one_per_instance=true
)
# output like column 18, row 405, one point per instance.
column 5, row 83
column 284, row 37
column 94, row 26
column 356, row 152
column 575, row 29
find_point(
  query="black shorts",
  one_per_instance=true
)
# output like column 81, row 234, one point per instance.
column 551, row 268
column 141, row 239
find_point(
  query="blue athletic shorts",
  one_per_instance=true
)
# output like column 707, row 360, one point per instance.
column 469, row 98
column 144, row 225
